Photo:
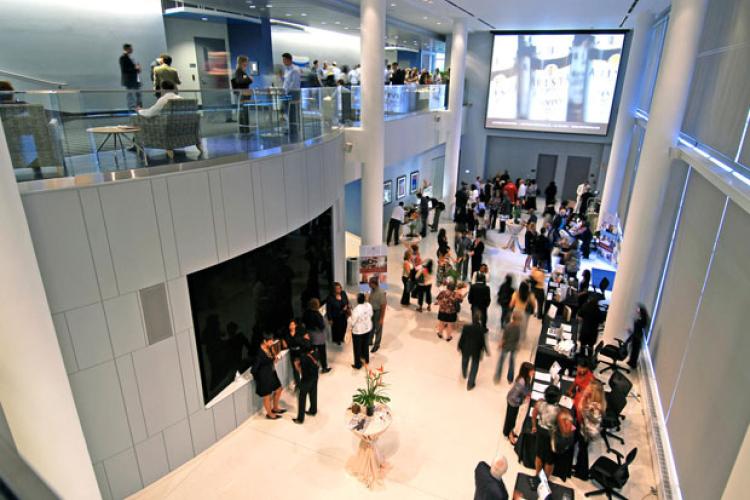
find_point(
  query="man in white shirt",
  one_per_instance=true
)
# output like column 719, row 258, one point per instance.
column 361, row 328
column 167, row 95
column 582, row 188
column 354, row 75
column 522, row 191
column 336, row 72
column 394, row 225
column 291, row 86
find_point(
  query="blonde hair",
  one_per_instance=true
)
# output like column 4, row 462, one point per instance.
column 596, row 394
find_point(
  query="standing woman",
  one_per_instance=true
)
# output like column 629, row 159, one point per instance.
column 425, row 278
column 531, row 191
column 589, row 408
column 406, row 278
column 442, row 239
column 444, row 267
column 241, row 82
column 504, row 296
column 529, row 246
column 641, row 324
column 524, row 302
column 267, row 383
column 361, row 330
column 337, row 311
column 316, row 326
column 477, row 252
column 543, row 424
column 520, row 391
column 448, row 301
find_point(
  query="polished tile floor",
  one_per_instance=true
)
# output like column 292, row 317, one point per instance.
column 439, row 433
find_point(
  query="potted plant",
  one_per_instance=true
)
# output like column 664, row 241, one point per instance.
column 373, row 392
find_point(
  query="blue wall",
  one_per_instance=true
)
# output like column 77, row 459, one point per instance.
column 413, row 58
column 254, row 41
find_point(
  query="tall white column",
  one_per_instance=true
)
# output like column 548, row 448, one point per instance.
column 34, row 388
column 372, row 17
column 667, row 111
column 455, row 103
column 631, row 92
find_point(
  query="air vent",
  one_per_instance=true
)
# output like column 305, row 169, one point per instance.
column 156, row 313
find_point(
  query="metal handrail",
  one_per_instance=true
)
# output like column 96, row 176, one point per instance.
column 19, row 76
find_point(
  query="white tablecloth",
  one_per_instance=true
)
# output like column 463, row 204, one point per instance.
column 368, row 464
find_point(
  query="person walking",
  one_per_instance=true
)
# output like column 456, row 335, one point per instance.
column 640, row 326
column 267, row 383
column 448, row 301
column 424, row 212
column 378, row 302
column 337, row 312
column 316, row 326
column 508, row 346
column 520, row 391
column 407, row 278
column 477, row 252
column 307, row 368
column 463, row 255
column 425, row 277
column 130, row 73
column 504, row 296
column 525, row 303
column 361, row 330
column 472, row 345
column 529, row 245
column 394, row 225
column 480, row 298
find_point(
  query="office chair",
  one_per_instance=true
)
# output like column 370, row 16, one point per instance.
column 616, row 401
column 611, row 475
column 615, row 352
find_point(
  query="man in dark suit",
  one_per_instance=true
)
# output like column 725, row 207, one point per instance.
column 129, row 72
column 480, row 298
column 424, row 212
column 398, row 76
column 307, row 366
column 488, row 480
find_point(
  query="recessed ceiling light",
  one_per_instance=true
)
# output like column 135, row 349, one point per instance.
column 439, row 22
column 346, row 27
column 204, row 19
column 337, row 22
column 252, row 6
column 395, row 37
column 268, row 6
column 323, row 22
column 425, row 18
column 393, row 5
column 287, row 14
column 303, row 15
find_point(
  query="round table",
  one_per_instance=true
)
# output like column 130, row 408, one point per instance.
column 117, row 132
column 368, row 464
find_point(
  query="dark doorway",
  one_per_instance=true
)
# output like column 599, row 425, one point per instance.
column 576, row 172
column 213, row 72
column 546, row 166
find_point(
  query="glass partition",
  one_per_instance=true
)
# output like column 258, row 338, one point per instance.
column 61, row 133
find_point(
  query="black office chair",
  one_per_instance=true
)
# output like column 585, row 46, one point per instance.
column 617, row 399
column 611, row 475
column 615, row 352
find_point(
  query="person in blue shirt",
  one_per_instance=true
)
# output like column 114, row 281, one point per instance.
column 291, row 86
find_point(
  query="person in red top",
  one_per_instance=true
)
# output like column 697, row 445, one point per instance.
column 511, row 191
column 584, row 376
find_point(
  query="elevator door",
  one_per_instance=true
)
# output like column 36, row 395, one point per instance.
column 546, row 166
column 576, row 172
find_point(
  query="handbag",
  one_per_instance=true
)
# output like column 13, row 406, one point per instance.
column 348, row 336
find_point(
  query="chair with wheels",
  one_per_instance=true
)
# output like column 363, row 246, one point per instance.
column 615, row 352
column 611, row 475
column 617, row 399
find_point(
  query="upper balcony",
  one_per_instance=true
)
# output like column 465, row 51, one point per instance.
column 90, row 134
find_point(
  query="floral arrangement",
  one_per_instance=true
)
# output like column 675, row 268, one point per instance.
column 373, row 392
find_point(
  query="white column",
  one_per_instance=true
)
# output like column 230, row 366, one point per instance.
column 455, row 103
column 667, row 111
column 34, row 388
column 631, row 92
column 372, row 17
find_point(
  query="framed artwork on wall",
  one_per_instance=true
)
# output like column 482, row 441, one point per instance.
column 414, row 182
column 387, row 192
column 400, row 187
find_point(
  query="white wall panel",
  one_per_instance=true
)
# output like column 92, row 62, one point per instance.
column 125, row 324
column 88, row 332
column 711, row 408
column 62, row 249
column 66, row 344
column 217, row 202
column 99, row 403
column 295, row 184
column 271, row 173
column 101, row 479
column 179, row 301
column 224, row 417
column 192, row 215
column 179, row 444
column 202, row 430
column 700, row 217
column 315, row 174
column 157, row 369
column 193, row 392
column 97, row 231
column 166, row 228
column 243, row 403
column 122, row 472
column 131, row 397
column 133, row 234
column 239, row 210
column 152, row 459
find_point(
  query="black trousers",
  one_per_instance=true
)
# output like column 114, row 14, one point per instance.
column 424, row 294
column 582, row 457
column 511, row 414
column 361, row 348
column 405, row 298
column 436, row 219
column 539, row 296
column 635, row 351
column 504, row 314
column 423, row 230
column 465, row 358
column 394, row 228
column 292, row 358
column 322, row 356
column 307, row 389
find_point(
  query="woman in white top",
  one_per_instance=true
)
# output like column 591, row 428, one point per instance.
column 361, row 319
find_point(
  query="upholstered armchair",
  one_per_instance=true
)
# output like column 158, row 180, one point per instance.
column 176, row 126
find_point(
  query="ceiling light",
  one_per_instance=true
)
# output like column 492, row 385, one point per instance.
column 323, row 22
column 439, row 22
column 288, row 14
column 395, row 37
column 268, row 6
column 204, row 19
column 252, row 6
column 393, row 5
column 303, row 15
column 425, row 18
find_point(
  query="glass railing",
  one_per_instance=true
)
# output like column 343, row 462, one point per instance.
column 63, row 133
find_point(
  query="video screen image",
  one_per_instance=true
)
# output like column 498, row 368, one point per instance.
column 554, row 82
column 235, row 302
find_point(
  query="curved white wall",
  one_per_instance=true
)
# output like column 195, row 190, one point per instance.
column 140, row 405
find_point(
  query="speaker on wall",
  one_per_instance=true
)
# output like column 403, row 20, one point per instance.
column 156, row 313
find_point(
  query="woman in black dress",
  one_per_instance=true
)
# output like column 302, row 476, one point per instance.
column 267, row 384
column 337, row 312
column 640, row 325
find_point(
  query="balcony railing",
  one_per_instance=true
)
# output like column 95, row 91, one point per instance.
column 64, row 133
